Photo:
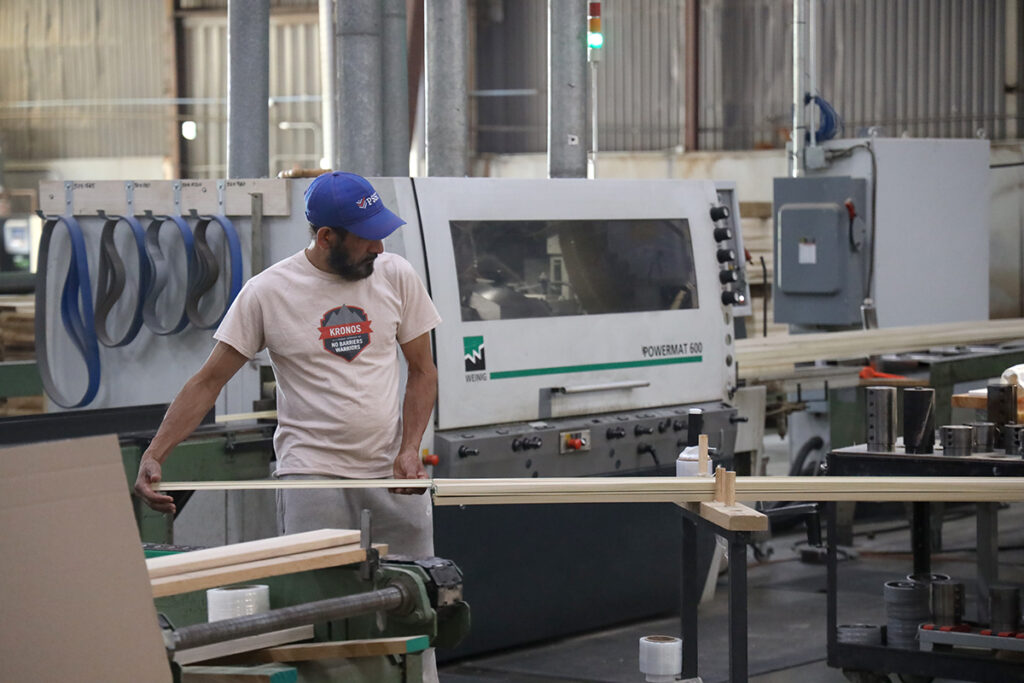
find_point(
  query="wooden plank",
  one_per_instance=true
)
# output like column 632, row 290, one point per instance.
column 249, row 571
column 735, row 517
column 267, row 673
column 374, row 647
column 249, row 551
column 273, row 484
column 259, row 642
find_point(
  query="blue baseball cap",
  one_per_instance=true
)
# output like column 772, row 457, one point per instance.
column 347, row 200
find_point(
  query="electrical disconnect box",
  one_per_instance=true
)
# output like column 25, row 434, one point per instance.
column 821, row 250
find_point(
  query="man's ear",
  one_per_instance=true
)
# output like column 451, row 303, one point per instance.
column 323, row 237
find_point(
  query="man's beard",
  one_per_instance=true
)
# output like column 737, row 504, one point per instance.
column 340, row 261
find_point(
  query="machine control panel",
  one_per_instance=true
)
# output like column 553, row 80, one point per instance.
column 730, row 253
column 614, row 443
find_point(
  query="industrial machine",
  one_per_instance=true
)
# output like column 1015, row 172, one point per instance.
column 587, row 330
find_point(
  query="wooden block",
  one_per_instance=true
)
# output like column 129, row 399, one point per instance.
column 259, row 642
column 266, row 673
column 249, row 551
column 249, row 571
column 702, row 455
column 735, row 517
column 756, row 209
column 374, row 647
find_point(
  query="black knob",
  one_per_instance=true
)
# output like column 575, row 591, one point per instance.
column 678, row 426
column 664, row 425
column 727, row 277
column 533, row 442
column 615, row 433
column 730, row 297
column 640, row 429
column 719, row 213
column 466, row 451
column 726, row 255
column 722, row 234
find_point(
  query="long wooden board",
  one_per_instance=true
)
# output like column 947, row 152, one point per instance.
column 259, row 642
column 249, row 551
column 675, row 489
column 259, row 569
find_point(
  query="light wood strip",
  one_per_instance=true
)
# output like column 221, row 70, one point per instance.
column 683, row 489
column 249, row 551
column 372, row 647
column 258, row 642
column 250, row 571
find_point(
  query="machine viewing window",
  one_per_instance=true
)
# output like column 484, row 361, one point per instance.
column 537, row 269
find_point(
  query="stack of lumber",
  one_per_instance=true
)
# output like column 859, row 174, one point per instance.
column 768, row 358
column 18, row 343
column 252, row 560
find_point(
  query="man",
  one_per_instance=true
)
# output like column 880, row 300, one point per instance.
column 331, row 317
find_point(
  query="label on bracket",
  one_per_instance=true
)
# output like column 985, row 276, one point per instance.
column 238, row 196
column 200, row 195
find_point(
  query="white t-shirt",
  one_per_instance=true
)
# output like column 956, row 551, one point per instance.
column 333, row 345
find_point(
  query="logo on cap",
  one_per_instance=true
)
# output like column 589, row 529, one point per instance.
column 368, row 201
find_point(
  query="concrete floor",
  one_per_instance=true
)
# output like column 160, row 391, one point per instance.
column 786, row 611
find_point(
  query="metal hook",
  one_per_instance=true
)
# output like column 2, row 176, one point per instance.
column 102, row 214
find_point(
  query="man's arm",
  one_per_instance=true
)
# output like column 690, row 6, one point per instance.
column 420, row 394
column 184, row 414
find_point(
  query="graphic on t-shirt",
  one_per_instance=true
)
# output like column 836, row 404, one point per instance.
column 473, row 348
column 345, row 331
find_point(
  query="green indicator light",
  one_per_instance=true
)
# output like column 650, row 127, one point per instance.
column 595, row 40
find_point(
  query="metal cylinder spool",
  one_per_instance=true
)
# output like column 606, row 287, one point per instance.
column 1001, row 406
column 983, row 437
column 881, row 418
column 947, row 602
column 956, row 439
column 919, row 420
column 1013, row 438
column 1004, row 608
column 906, row 608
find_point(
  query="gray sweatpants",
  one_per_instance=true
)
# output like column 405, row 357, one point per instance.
column 405, row 523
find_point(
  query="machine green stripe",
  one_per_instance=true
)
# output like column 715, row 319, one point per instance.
column 508, row 374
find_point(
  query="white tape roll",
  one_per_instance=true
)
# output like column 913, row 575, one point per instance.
column 236, row 601
column 661, row 658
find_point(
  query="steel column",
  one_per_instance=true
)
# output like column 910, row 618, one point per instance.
column 360, row 80
column 395, row 92
column 328, row 85
column 567, row 88
column 446, row 31
column 248, row 88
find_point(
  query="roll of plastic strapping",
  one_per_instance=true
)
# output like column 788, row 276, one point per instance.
column 76, row 312
column 661, row 658
column 236, row 601
column 906, row 608
column 859, row 634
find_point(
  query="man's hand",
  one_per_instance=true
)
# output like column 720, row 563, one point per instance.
column 408, row 465
column 149, row 474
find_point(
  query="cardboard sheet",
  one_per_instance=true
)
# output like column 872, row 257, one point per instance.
column 74, row 590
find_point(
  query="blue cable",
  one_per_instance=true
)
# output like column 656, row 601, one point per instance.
column 76, row 313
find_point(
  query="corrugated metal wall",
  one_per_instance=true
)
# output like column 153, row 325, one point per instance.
column 75, row 77
column 294, row 92
column 927, row 68
column 93, row 77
